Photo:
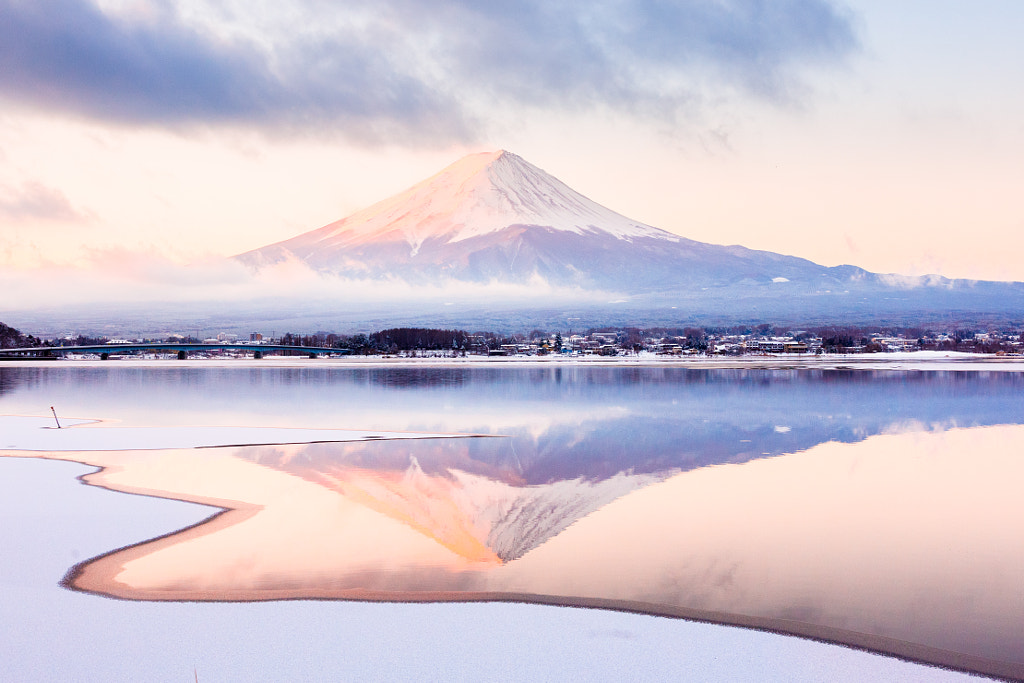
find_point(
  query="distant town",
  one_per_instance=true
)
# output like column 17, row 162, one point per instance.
column 406, row 342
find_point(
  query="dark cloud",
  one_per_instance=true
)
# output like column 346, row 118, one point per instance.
column 34, row 201
column 68, row 55
column 409, row 68
column 660, row 54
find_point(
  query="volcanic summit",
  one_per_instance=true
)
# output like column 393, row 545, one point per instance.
column 494, row 218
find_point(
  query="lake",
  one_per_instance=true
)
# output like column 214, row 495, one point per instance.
column 873, row 508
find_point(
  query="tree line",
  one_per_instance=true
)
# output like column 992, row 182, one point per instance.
column 11, row 338
column 387, row 341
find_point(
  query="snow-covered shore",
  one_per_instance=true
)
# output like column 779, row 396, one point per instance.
column 262, row 504
column 896, row 360
column 50, row 633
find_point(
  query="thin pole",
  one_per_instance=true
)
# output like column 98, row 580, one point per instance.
column 55, row 417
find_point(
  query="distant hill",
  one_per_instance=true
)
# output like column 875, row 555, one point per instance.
column 11, row 338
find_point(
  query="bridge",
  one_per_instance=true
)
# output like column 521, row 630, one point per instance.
column 182, row 350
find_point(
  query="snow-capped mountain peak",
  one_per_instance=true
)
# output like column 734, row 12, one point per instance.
column 477, row 195
column 495, row 219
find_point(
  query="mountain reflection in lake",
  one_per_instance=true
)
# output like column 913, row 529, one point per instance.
column 874, row 508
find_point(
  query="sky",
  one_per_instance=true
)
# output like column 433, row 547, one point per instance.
column 139, row 136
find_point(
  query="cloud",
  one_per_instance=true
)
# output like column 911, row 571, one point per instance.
column 118, row 276
column 36, row 202
column 394, row 69
column 68, row 55
column 643, row 53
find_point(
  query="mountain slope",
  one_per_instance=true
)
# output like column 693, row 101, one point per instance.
column 495, row 218
column 478, row 195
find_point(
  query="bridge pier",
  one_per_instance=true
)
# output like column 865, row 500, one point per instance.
column 257, row 354
column 104, row 356
column 182, row 355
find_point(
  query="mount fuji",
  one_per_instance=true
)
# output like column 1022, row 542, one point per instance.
column 495, row 218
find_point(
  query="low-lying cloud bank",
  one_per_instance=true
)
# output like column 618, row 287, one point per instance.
column 121, row 276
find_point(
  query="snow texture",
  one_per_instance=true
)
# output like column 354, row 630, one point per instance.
column 493, row 218
column 477, row 195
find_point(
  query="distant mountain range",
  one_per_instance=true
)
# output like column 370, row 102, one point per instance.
column 495, row 218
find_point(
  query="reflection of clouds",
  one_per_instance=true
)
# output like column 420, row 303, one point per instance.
column 908, row 426
column 535, row 424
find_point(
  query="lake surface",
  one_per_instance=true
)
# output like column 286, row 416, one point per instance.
column 876, row 508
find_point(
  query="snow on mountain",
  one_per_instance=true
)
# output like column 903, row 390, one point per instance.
column 535, row 514
column 493, row 218
column 477, row 195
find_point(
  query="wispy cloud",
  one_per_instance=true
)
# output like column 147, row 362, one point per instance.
column 404, row 69
column 34, row 201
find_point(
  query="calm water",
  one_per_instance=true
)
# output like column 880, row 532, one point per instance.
column 746, row 496
column 562, row 422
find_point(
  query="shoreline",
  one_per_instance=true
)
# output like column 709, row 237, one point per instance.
column 36, row 433
column 915, row 360
column 99, row 575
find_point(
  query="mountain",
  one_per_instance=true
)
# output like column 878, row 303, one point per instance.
column 495, row 243
column 494, row 218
